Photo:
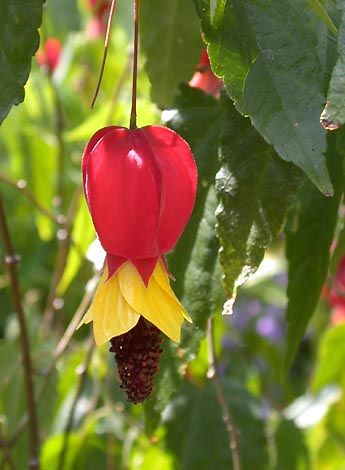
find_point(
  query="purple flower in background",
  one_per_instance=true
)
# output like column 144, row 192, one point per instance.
column 270, row 327
column 244, row 312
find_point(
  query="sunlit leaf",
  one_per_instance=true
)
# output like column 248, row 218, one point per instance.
column 255, row 188
column 199, row 119
column 82, row 235
column 202, row 295
column 333, row 116
column 276, row 78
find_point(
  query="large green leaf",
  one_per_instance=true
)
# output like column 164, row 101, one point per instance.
column 203, row 295
column 333, row 116
column 197, row 436
column 19, row 41
column 199, row 119
column 170, row 36
column 231, row 43
column 255, row 188
column 309, row 238
column 266, row 54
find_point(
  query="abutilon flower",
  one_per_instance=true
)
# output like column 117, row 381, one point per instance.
column 48, row 58
column 140, row 187
column 204, row 78
column 97, row 26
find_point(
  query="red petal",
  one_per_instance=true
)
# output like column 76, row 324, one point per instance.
column 179, row 183
column 88, row 149
column 140, row 186
column 122, row 184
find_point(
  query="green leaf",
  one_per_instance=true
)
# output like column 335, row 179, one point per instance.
column 82, row 235
column 203, row 293
column 85, row 129
column 321, row 12
column 198, row 118
column 333, row 116
column 43, row 162
column 255, row 188
column 9, row 361
column 19, row 41
column 51, row 451
column 231, row 43
column 196, row 432
column 276, row 78
column 283, row 90
column 295, row 455
column 59, row 25
column 170, row 36
column 331, row 358
column 309, row 238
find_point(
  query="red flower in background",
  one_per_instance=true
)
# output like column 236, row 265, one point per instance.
column 49, row 56
column 140, row 187
column 204, row 78
column 97, row 26
column 337, row 291
column 336, row 294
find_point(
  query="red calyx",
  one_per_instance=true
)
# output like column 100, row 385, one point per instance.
column 49, row 57
column 140, row 187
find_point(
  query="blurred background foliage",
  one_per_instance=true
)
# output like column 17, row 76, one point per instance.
column 280, row 355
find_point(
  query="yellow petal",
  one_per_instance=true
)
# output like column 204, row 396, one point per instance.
column 118, row 317
column 162, row 278
column 87, row 318
column 157, row 305
column 110, row 313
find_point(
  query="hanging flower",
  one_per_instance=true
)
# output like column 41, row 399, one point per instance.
column 97, row 26
column 49, row 56
column 204, row 78
column 140, row 188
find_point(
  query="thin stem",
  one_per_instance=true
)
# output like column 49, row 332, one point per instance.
column 105, row 52
column 7, row 457
column 64, row 237
column 69, row 425
column 133, row 120
column 60, row 349
column 11, row 260
column 21, row 185
column 213, row 374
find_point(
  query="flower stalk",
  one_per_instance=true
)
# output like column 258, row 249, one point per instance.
column 133, row 119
